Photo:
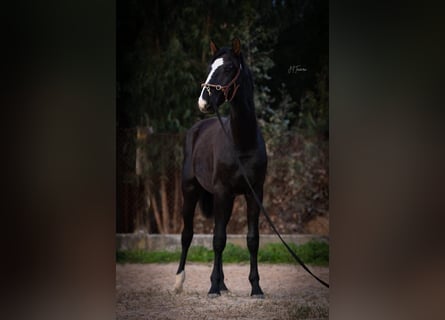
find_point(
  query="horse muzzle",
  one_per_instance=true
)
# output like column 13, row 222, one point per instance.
column 203, row 106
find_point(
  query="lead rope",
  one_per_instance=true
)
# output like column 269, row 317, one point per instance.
column 243, row 172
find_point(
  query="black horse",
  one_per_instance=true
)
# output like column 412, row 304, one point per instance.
column 211, row 175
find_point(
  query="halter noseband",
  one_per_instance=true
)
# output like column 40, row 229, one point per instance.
column 225, row 89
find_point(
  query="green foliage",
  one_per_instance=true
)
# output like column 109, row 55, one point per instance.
column 314, row 108
column 297, row 182
column 277, row 126
column 313, row 252
column 200, row 254
column 140, row 256
column 234, row 254
column 163, row 155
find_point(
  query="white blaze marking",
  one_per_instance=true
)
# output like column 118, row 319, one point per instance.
column 215, row 65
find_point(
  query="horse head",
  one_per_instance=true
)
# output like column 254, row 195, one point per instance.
column 222, row 78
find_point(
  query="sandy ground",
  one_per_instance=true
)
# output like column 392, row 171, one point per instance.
column 145, row 291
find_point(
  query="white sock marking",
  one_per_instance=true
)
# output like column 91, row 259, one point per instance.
column 180, row 278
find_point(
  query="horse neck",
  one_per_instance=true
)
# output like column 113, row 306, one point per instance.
column 243, row 123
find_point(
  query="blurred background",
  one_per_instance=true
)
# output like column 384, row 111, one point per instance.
column 162, row 57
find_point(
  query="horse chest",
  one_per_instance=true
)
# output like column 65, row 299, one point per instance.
column 230, row 175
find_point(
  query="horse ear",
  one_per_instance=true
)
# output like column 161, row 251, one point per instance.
column 236, row 46
column 213, row 47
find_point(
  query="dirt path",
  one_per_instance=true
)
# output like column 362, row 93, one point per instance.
column 145, row 291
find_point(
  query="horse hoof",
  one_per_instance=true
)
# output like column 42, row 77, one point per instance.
column 224, row 292
column 213, row 295
column 179, row 280
column 257, row 296
column 223, row 287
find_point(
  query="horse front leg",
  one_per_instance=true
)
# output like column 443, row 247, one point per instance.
column 253, row 240
column 222, row 209
column 190, row 195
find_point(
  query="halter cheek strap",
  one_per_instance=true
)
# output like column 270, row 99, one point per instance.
column 225, row 89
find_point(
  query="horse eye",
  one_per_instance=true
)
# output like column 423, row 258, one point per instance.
column 228, row 67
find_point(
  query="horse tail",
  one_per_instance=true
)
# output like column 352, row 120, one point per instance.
column 206, row 204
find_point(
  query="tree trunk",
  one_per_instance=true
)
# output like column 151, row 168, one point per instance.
column 156, row 213
column 177, row 203
column 164, row 204
column 147, row 203
column 140, row 170
column 139, row 204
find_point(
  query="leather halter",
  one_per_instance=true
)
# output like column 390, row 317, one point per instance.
column 225, row 89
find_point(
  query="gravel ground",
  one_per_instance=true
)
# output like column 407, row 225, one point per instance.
column 145, row 291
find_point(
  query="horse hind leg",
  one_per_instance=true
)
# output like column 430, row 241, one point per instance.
column 188, row 212
column 253, row 238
